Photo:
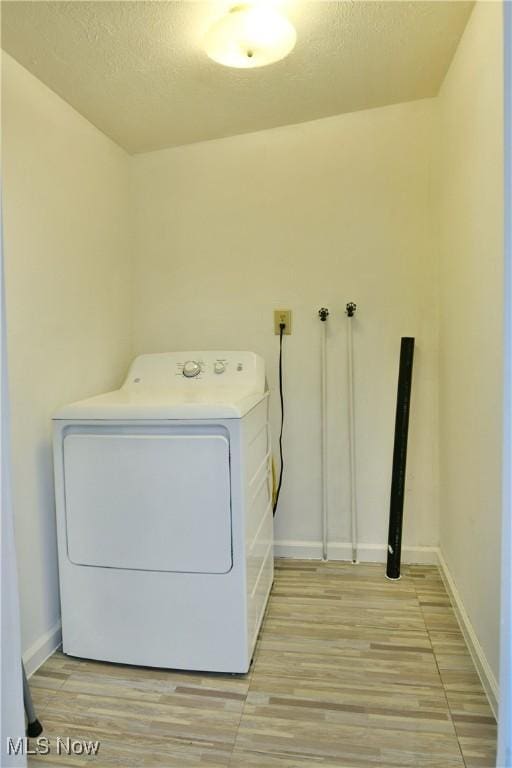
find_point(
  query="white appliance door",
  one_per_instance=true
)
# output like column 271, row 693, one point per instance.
column 155, row 502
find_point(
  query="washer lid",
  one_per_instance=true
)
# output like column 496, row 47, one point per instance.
column 123, row 405
column 180, row 385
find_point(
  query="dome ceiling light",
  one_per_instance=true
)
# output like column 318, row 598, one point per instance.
column 250, row 36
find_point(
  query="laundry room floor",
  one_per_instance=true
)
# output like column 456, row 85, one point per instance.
column 350, row 670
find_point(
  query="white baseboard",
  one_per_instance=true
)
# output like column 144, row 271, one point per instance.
column 367, row 553
column 483, row 668
column 42, row 649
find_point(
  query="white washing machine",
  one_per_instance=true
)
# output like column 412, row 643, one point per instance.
column 164, row 514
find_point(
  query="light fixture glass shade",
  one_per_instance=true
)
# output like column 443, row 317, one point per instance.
column 250, row 36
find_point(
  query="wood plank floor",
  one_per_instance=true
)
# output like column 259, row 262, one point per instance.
column 351, row 670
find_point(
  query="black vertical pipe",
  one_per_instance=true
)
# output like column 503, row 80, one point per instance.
column 396, row 507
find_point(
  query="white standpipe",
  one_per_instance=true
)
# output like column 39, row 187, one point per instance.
column 350, row 309
column 323, row 314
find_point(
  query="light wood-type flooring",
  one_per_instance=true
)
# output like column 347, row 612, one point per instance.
column 350, row 670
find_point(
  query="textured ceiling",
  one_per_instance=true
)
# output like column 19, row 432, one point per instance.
column 137, row 70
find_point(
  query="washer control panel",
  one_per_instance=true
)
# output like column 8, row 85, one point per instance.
column 238, row 372
column 191, row 369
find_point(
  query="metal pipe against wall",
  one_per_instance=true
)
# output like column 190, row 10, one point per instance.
column 323, row 314
column 350, row 310
column 396, row 506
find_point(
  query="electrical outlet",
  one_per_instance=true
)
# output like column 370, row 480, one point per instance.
column 283, row 316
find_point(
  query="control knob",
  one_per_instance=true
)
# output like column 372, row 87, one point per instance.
column 219, row 366
column 191, row 368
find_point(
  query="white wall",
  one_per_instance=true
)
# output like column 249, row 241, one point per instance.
column 505, row 704
column 470, row 199
column 67, row 252
column 12, row 719
column 300, row 217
